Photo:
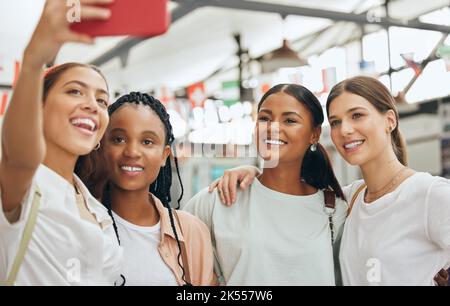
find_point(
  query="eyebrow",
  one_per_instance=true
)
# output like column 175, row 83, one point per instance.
column 84, row 85
column 124, row 131
column 151, row 133
column 283, row 114
column 349, row 111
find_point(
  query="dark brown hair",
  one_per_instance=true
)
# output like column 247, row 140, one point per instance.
column 54, row 73
column 86, row 165
column 316, row 166
column 379, row 96
column 92, row 171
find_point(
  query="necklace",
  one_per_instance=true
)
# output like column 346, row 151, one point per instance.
column 373, row 195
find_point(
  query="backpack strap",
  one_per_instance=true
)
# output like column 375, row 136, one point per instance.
column 26, row 237
column 187, row 273
column 355, row 195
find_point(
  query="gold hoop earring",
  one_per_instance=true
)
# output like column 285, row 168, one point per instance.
column 97, row 147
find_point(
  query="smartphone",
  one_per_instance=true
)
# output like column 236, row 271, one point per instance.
column 143, row 18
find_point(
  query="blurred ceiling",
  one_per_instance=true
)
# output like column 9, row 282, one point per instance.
column 200, row 40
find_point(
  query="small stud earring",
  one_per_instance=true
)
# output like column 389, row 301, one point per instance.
column 313, row 147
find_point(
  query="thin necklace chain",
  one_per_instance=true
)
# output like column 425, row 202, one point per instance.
column 376, row 194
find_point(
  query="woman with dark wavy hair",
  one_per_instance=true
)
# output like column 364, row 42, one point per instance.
column 282, row 229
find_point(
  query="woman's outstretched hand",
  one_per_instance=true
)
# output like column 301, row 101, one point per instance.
column 53, row 29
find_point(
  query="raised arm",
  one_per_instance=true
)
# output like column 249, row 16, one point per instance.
column 23, row 143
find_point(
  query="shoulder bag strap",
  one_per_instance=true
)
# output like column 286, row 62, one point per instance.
column 355, row 195
column 330, row 208
column 330, row 203
column 26, row 236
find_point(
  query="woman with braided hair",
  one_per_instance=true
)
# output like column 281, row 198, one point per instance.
column 132, row 176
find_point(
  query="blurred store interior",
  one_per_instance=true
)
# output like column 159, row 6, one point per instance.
column 219, row 56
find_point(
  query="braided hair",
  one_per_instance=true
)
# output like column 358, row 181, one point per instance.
column 161, row 186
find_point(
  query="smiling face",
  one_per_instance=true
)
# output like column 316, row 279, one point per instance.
column 135, row 147
column 75, row 111
column 284, row 128
column 358, row 130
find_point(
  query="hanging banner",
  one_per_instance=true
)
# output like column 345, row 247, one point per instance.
column 367, row 68
column 9, row 71
column 16, row 73
column 265, row 88
column 329, row 78
column 444, row 53
column 165, row 95
column 3, row 103
column 231, row 92
column 197, row 95
column 409, row 60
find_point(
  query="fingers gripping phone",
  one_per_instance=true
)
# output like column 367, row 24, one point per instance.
column 143, row 18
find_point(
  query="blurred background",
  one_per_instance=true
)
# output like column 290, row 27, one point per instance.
column 219, row 57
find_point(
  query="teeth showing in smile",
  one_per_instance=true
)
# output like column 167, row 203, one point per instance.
column 84, row 123
column 353, row 144
column 274, row 142
column 131, row 169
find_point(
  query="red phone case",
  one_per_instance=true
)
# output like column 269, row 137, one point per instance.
column 130, row 17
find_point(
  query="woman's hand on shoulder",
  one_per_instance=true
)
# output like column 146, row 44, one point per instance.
column 441, row 278
column 227, row 184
